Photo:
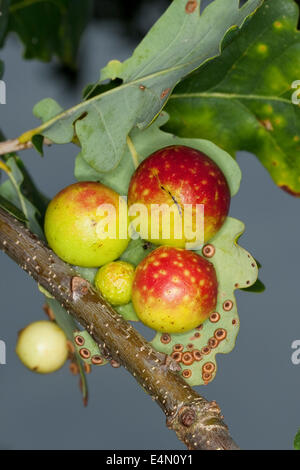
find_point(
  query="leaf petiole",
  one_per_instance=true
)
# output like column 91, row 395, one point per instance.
column 133, row 152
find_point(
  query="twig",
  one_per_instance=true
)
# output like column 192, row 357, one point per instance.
column 197, row 422
column 14, row 145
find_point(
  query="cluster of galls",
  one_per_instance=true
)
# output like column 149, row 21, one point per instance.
column 173, row 290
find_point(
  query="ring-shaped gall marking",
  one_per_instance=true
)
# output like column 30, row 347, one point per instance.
column 177, row 356
column 85, row 353
column 197, row 355
column 208, row 251
column 97, row 360
column 79, row 340
column 165, row 338
column 220, row 334
column 187, row 358
column 187, row 373
column 227, row 305
column 214, row 317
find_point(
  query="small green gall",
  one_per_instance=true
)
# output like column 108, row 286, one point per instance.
column 114, row 281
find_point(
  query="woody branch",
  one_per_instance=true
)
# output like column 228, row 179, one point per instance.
column 197, row 422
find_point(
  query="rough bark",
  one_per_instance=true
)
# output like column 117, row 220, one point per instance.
column 197, row 422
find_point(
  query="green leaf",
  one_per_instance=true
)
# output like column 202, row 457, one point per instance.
column 90, row 346
column 94, row 89
column 297, row 441
column 50, row 27
column 147, row 141
column 177, row 44
column 4, row 9
column 257, row 287
column 11, row 190
column 47, row 109
column 37, row 141
column 45, row 292
column 242, row 100
column 12, row 209
column 27, row 187
column 235, row 268
column 136, row 251
column 127, row 311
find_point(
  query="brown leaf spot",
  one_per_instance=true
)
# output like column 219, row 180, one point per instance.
column 266, row 123
column 191, row 6
column 164, row 93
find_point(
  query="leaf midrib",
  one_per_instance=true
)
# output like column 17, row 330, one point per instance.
column 85, row 104
column 234, row 96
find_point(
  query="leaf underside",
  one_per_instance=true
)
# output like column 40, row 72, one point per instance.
column 91, row 349
column 242, row 100
column 235, row 268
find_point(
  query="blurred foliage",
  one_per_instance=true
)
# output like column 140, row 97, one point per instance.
column 242, row 100
column 49, row 28
column 297, row 441
column 136, row 16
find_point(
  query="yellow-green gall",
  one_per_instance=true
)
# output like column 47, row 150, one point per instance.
column 114, row 281
column 42, row 347
column 83, row 224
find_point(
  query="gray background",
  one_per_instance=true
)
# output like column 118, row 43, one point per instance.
column 256, row 385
